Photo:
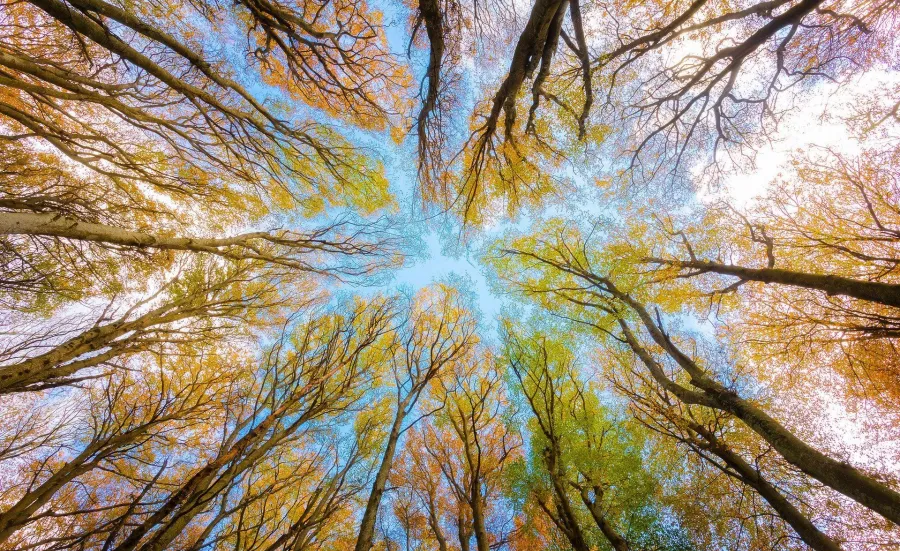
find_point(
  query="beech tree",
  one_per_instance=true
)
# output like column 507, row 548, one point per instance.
column 438, row 333
column 812, row 265
column 185, row 98
column 315, row 373
column 449, row 479
column 588, row 477
column 708, row 436
column 706, row 105
column 120, row 436
column 561, row 270
column 473, row 443
column 204, row 302
column 216, row 326
column 626, row 81
column 126, row 135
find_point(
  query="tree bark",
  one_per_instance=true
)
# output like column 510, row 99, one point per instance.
column 55, row 225
column 84, row 25
column 52, row 365
column 750, row 476
column 463, row 533
column 593, row 505
column 367, row 526
column 435, row 524
column 21, row 512
column 430, row 12
column 482, row 541
column 197, row 485
column 871, row 291
column 837, row 475
column 584, row 57
column 573, row 530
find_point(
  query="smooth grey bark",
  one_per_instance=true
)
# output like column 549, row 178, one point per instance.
column 482, row 541
column 63, row 360
column 55, row 225
column 196, row 485
column 101, row 343
column 279, row 247
column 100, row 448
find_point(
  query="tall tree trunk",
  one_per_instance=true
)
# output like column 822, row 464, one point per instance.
column 55, row 225
column 482, row 542
column 61, row 361
column 568, row 518
column 837, row 475
column 367, row 527
column 584, row 57
column 872, row 291
column 430, row 12
column 83, row 24
column 435, row 523
column 750, row 476
column 20, row 513
column 198, row 483
column 463, row 532
column 215, row 483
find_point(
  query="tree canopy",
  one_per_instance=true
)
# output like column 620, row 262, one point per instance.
column 676, row 326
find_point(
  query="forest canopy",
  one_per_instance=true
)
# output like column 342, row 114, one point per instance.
column 449, row 275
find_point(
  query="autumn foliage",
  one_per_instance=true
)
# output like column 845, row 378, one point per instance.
column 681, row 330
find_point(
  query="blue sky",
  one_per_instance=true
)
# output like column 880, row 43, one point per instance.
column 435, row 265
column 440, row 257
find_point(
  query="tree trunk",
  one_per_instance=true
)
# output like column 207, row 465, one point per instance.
column 573, row 530
column 615, row 539
column 49, row 366
column 463, row 533
column 55, row 225
column 430, row 11
column 367, row 526
column 198, row 483
column 482, row 542
column 807, row 531
column 837, row 475
column 435, row 524
column 215, row 483
column 872, row 291
column 20, row 513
